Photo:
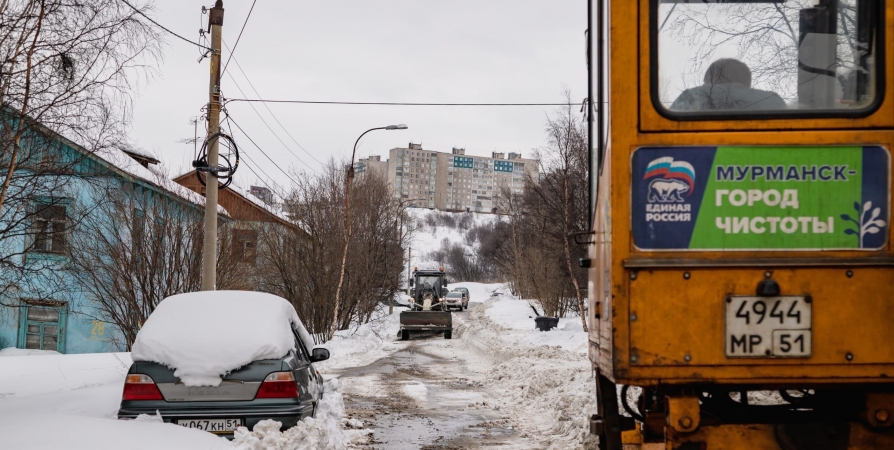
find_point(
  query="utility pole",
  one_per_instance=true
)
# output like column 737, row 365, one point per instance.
column 209, row 250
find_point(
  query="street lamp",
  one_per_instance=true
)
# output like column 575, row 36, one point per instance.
column 389, row 127
column 349, row 180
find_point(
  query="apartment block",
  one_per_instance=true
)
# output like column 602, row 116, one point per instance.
column 455, row 181
column 371, row 164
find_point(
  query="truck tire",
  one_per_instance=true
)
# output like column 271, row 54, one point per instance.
column 404, row 335
column 448, row 334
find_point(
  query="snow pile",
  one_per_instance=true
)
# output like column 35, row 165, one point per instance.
column 57, row 431
column 77, row 397
column 517, row 315
column 364, row 344
column 205, row 335
column 546, row 377
column 12, row 351
column 323, row 432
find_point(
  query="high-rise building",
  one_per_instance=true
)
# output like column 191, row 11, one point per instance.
column 373, row 163
column 455, row 181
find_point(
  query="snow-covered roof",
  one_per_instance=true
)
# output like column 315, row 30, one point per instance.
column 274, row 208
column 122, row 161
column 205, row 335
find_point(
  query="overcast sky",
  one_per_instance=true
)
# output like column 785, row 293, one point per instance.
column 383, row 50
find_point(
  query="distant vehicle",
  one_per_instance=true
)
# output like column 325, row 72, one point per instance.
column 428, row 307
column 285, row 388
column 464, row 291
column 458, row 300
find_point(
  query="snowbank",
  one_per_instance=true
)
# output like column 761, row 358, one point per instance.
column 545, row 377
column 205, row 335
column 364, row 344
column 57, row 431
column 517, row 315
column 323, row 432
column 12, row 351
column 77, row 398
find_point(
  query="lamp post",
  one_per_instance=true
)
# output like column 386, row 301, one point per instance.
column 349, row 180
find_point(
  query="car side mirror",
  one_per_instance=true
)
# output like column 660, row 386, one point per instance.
column 411, row 282
column 444, row 284
column 319, row 354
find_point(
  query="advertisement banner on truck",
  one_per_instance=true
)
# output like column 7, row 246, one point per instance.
column 760, row 198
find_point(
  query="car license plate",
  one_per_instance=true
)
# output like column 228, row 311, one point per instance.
column 213, row 425
column 768, row 327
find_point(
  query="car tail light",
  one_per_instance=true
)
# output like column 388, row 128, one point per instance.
column 279, row 385
column 140, row 387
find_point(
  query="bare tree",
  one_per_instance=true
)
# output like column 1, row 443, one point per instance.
column 764, row 35
column 66, row 69
column 137, row 246
column 538, row 253
column 303, row 264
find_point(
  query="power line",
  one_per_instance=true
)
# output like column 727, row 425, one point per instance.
column 315, row 102
column 240, row 36
column 278, row 190
column 239, row 66
column 262, row 151
column 162, row 26
column 268, row 125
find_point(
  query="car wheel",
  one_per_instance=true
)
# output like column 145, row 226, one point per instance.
column 448, row 334
column 404, row 335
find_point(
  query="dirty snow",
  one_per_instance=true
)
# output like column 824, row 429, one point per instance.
column 205, row 335
column 545, row 377
column 541, row 382
column 326, row 431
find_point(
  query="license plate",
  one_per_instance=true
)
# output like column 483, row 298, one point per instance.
column 768, row 327
column 212, row 425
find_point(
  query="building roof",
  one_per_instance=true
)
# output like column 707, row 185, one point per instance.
column 241, row 205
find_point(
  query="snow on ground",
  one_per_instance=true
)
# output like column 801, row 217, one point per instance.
column 76, row 397
column 518, row 316
column 70, row 401
column 323, row 432
column 546, row 377
column 12, row 351
column 429, row 238
column 541, row 380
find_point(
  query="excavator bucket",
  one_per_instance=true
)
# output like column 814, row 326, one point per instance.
column 426, row 321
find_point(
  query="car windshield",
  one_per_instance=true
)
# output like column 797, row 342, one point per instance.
column 782, row 57
column 455, row 295
column 428, row 282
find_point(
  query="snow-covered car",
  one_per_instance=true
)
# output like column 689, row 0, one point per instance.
column 218, row 360
column 464, row 291
column 456, row 300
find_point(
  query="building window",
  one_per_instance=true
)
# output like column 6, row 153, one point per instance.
column 245, row 243
column 42, row 325
column 49, row 227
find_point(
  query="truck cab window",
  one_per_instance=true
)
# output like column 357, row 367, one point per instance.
column 765, row 57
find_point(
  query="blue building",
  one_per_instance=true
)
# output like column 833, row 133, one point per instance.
column 60, row 195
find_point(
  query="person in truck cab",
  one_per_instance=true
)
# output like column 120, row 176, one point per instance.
column 727, row 85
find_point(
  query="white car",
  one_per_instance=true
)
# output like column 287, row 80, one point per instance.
column 456, row 300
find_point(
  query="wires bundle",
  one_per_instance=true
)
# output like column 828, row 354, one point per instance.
column 227, row 161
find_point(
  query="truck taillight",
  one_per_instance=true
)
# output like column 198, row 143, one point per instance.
column 278, row 385
column 140, row 387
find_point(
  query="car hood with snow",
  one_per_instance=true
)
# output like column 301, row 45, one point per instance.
column 205, row 335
